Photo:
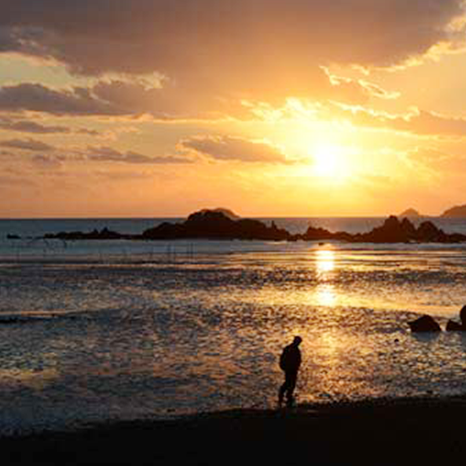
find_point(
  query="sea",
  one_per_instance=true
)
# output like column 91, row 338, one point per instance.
column 103, row 331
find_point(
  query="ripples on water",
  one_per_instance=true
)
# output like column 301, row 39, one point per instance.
column 130, row 339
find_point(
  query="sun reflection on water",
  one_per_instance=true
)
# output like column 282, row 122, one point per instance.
column 326, row 296
column 325, row 262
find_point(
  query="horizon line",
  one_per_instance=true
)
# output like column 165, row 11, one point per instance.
column 240, row 217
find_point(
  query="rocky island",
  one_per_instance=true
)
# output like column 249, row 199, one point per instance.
column 411, row 213
column 215, row 224
column 219, row 224
column 392, row 230
column 455, row 212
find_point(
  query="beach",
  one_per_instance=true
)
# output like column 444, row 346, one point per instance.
column 190, row 190
column 378, row 432
column 110, row 332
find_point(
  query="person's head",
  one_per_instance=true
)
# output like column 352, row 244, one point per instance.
column 297, row 340
column 463, row 315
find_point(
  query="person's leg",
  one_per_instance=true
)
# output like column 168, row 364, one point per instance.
column 283, row 389
column 290, row 385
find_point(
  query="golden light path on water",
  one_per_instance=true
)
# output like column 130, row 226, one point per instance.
column 327, row 275
column 327, row 348
column 325, row 264
column 336, row 360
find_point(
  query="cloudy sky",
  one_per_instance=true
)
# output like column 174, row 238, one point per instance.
column 130, row 108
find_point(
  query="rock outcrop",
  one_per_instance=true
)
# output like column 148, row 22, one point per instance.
column 424, row 324
column 227, row 212
column 392, row 231
column 209, row 224
column 105, row 233
column 455, row 326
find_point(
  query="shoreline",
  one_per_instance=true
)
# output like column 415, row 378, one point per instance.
column 379, row 431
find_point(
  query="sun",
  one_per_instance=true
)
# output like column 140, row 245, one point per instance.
column 323, row 153
column 330, row 161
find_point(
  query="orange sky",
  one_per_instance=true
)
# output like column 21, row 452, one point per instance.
column 268, row 107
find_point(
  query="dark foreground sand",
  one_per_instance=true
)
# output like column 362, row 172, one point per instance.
column 409, row 431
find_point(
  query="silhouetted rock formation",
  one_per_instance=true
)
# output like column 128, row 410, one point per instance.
column 218, row 224
column 227, row 212
column 209, row 224
column 424, row 324
column 455, row 212
column 392, row 231
column 321, row 234
column 105, row 233
column 455, row 326
column 413, row 213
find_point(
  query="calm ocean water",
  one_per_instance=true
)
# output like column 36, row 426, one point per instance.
column 125, row 330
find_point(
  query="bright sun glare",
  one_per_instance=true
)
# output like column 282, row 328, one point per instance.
column 329, row 161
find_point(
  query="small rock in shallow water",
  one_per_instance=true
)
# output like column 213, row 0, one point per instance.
column 424, row 324
column 454, row 326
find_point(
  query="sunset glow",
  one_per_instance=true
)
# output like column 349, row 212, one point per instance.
column 307, row 112
column 233, row 226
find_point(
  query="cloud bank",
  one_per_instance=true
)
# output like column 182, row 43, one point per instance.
column 211, row 49
column 27, row 144
column 108, row 154
column 234, row 148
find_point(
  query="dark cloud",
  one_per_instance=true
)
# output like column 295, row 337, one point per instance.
column 106, row 98
column 167, row 34
column 233, row 148
column 124, row 176
column 9, row 42
column 91, row 153
column 171, row 101
column 108, row 154
column 262, row 48
column 39, row 98
column 27, row 144
column 28, row 126
column 25, row 126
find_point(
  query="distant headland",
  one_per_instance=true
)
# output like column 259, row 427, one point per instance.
column 455, row 212
column 223, row 224
column 411, row 213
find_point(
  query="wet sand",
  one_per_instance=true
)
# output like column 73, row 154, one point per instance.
column 382, row 432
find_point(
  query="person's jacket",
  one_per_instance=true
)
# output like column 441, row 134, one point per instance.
column 290, row 359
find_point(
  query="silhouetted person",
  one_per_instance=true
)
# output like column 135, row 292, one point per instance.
column 290, row 360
